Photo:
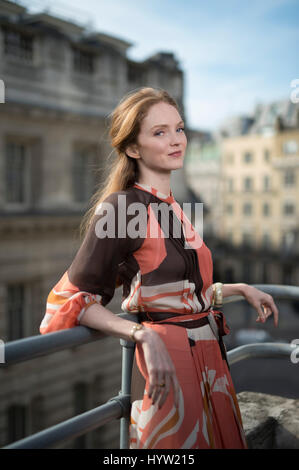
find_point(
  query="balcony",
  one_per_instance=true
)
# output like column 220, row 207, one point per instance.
column 118, row 407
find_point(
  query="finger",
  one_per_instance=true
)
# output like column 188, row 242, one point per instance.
column 275, row 311
column 272, row 308
column 267, row 311
column 157, row 388
column 156, row 392
column 152, row 383
column 261, row 314
column 164, row 391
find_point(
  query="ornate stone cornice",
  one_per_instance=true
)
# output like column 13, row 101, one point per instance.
column 29, row 225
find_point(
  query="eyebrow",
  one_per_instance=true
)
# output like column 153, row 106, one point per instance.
column 166, row 125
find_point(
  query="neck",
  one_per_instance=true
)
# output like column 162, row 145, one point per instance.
column 162, row 185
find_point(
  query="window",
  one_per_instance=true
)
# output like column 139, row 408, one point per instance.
column 15, row 311
column 267, row 155
column 17, row 420
column 98, row 435
column 247, row 272
column 289, row 208
column 135, row 73
column 83, row 61
column 80, row 406
column 230, row 237
column 229, row 208
column 289, row 178
column 288, row 240
column 265, row 273
column 22, row 175
column 287, row 275
column 229, row 275
column 22, row 309
column 247, row 208
column 247, row 239
column 248, row 157
column 290, row 147
column 248, row 184
column 266, row 182
column 266, row 209
column 230, row 185
column 230, row 158
column 18, row 45
column 84, row 166
column 266, row 240
column 37, row 411
column 24, row 420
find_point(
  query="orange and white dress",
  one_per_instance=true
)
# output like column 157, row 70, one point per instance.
column 166, row 273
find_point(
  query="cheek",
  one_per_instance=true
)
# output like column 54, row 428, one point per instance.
column 156, row 146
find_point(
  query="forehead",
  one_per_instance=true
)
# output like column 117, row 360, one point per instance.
column 161, row 113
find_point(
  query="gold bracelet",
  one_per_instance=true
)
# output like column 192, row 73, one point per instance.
column 134, row 329
column 217, row 298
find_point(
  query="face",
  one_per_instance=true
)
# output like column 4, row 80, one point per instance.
column 161, row 142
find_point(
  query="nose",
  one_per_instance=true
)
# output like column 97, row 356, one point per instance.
column 175, row 138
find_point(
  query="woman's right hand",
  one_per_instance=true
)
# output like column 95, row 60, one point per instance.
column 159, row 365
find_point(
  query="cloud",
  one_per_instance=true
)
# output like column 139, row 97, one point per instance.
column 233, row 53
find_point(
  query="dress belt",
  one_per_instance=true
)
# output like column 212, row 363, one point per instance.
column 160, row 316
column 156, row 316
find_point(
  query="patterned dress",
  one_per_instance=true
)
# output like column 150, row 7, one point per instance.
column 166, row 268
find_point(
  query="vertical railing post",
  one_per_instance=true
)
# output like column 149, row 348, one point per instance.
column 128, row 349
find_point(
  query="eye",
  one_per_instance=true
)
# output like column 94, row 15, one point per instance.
column 159, row 132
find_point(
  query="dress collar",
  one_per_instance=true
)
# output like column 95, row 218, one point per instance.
column 167, row 198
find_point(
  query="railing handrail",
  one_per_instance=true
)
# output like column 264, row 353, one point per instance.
column 25, row 349
column 270, row 350
column 118, row 407
column 71, row 428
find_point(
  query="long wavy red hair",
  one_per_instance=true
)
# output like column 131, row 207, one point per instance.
column 124, row 129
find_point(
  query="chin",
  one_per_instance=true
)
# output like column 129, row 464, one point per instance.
column 177, row 165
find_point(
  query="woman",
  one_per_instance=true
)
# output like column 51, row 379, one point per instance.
column 182, row 392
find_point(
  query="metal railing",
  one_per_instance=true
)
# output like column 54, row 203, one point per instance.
column 118, row 407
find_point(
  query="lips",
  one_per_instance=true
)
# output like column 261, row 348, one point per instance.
column 175, row 154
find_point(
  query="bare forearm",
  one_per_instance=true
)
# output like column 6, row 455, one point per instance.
column 233, row 289
column 100, row 318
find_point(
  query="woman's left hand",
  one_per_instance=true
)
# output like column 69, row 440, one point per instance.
column 262, row 302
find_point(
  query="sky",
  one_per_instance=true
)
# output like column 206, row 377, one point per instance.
column 234, row 53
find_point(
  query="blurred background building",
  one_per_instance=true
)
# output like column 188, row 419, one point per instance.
column 248, row 175
column 61, row 84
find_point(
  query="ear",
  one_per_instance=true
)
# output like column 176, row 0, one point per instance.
column 132, row 151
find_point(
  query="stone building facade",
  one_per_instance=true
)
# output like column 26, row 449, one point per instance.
column 247, row 174
column 260, row 193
